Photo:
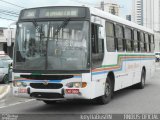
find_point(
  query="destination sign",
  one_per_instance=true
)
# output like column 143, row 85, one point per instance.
column 58, row 13
column 31, row 13
column 54, row 12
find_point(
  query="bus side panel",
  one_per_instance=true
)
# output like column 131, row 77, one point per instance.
column 136, row 68
column 113, row 64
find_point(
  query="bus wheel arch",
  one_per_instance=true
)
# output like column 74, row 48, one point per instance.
column 108, row 90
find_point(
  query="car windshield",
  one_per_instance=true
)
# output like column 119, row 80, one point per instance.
column 6, row 57
column 4, row 64
column 53, row 45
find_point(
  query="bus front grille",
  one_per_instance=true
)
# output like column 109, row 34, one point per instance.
column 46, row 95
column 47, row 86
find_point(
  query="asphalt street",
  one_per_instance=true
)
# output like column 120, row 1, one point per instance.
column 129, row 100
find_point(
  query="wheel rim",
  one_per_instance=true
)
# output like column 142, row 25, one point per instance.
column 107, row 89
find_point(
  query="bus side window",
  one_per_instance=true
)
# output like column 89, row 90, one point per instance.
column 97, row 46
column 128, row 37
column 135, row 41
column 110, row 37
column 119, row 37
column 139, row 41
column 152, row 43
column 142, row 42
column 147, row 42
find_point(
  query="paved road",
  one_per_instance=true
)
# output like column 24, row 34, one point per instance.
column 129, row 100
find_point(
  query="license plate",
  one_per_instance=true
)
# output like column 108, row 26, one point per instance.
column 22, row 90
column 72, row 91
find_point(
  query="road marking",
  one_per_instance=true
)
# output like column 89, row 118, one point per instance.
column 13, row 104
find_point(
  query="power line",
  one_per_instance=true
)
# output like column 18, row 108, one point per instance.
column 12, row 4
column 7, row 19
column 11, row 8
column 9, row 14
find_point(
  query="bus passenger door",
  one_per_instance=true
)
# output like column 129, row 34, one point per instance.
column 97, row 41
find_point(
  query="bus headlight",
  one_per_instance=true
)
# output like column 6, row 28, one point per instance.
column 76, row 84
column 19, row 84
column 24, row 84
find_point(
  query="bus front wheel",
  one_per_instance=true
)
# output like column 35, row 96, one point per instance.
column 141, row 85
column 108, row 92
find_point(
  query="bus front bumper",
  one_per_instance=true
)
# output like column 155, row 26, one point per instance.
column 51, row 94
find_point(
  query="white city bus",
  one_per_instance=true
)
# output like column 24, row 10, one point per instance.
column 77, row 52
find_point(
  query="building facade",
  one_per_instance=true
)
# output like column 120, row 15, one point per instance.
column 147, row 13
column 3, row 41
column 151, row 13
column 137, row 11
column 110, row 6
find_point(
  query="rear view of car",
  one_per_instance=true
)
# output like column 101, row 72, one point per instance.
column 5, row 72
column 157, row 55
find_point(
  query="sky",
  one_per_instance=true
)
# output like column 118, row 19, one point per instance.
column 125, row 6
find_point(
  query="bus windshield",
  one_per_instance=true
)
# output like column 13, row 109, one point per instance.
column 52, row 45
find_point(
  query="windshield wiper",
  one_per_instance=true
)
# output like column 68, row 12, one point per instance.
column 37, row 27
column 63, row 25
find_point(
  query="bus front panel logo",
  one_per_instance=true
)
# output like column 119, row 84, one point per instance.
column 45, row 82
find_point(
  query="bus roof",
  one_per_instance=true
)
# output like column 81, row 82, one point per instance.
column 106, row 15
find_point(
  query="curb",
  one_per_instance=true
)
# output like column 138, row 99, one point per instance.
column 4, row 90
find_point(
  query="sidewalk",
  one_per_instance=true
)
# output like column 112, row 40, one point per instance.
column 4, row 90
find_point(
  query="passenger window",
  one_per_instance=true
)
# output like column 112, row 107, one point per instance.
column 139, row 41
column 128, row 37
column 135, row 41
column 142, row 45
column 146, row 42
column 97, row 46
column 152, row 43
column 119, row 37
column 110, row 37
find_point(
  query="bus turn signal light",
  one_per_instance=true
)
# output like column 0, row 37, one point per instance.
column 84, row 84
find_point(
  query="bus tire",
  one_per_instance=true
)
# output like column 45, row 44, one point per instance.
column 108, row 93
column 49, row 102
column 141, row 85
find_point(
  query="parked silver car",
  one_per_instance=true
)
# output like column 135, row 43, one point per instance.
column 5, row 72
